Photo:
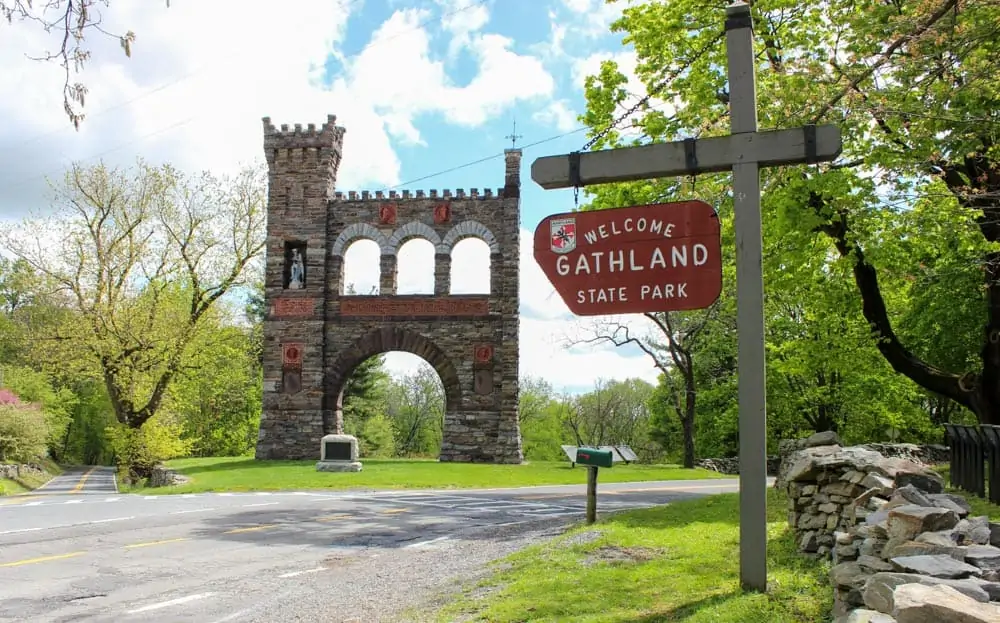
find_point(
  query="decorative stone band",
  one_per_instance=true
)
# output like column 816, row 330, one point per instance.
column 414, row 229
column 293, row 308
column 414, row 307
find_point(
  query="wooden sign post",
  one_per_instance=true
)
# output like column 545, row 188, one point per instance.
column 745, row 150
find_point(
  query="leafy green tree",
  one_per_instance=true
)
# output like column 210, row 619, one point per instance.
column 415, row 404
column 912, row 85
column 541, row 417
column 143, row 255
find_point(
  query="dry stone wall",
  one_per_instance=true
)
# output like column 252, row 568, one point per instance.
column 316, row 334
column 903, row 549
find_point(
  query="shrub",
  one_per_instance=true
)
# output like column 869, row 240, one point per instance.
column 23, row 433
column 137, row 452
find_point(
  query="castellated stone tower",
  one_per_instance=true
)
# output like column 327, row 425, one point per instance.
column 315, row 335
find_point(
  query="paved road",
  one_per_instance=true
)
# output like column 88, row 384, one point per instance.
column 81, row 480
column 267, row 557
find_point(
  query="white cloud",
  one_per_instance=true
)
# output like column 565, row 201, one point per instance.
column 593, row 16
column 202, row 75
column 461, row 19
column 559, row 115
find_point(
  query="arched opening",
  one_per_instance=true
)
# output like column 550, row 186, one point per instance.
column 415, row 267
column 470, row 267
column 361, row 271
column 393, row 388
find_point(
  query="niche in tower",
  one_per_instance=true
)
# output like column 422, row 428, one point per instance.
column 295, row 265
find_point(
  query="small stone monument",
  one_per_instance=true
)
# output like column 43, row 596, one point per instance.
column 339, row 453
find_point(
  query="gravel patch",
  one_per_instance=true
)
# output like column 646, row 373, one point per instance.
column 403, row 584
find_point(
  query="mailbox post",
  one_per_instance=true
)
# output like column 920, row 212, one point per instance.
column 593, row 458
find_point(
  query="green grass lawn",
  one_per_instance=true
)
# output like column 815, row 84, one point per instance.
column 678, row 562
column 27, row 483
column 245, row 474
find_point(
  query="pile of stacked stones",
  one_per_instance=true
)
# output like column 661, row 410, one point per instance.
column 902, row 549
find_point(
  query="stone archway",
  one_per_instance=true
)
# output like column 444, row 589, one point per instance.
column 382, row 341
column 315, row 334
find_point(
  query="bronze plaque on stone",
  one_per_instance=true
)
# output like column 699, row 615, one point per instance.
column 293, row 307
column 483, row 382
column 291, row 381
column 418, row 306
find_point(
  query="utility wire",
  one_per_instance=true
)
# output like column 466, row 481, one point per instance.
column 225, row 59
column 20, row 181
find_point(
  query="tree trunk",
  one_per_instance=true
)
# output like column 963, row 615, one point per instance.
column 980, row 393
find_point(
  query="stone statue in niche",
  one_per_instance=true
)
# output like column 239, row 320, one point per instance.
column 297, row 275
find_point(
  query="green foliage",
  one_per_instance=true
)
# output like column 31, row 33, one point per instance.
column 137, row 451
column 415, row 404
column 23, row 433
column 542, row 415
column 377, row 437
column 56, row 404
column 218, row 395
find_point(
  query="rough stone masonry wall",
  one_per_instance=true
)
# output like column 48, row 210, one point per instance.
column 902, row 549
column 472, row 342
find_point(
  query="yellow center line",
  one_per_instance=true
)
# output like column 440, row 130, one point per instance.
column 251, row 528
column 334, row 517
column 20, row 500
column 393, row 511
column 41, row 559
column 83, row 480
column 134, row 545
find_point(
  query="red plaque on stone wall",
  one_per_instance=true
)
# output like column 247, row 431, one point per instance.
column 483, row 353
column 291, row 355
column 293, row 307
column 387, row 213
column 442, row 213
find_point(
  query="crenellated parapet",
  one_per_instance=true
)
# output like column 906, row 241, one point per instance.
column 381, row 195
column 328, row 135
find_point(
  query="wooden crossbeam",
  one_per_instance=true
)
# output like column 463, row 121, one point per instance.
column 679, row 158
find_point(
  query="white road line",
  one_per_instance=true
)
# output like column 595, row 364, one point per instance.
column 73, row 502
column 295, row 573
column 68, row 525
column 172, row 602
column 33, row 504
column 112, row 499
column 262, row 493
column 426, row 543
column 194, row 510
column 259, row 504
column 189, row 495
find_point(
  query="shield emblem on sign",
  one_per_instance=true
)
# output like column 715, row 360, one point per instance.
column 563, row 234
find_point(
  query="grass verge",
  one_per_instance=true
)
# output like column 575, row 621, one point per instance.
column 29, row 482
column 678, row 562
column 244, row 474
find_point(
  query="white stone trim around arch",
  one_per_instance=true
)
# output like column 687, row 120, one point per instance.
column 359, row 231
column 414, row 229
column 469, row 229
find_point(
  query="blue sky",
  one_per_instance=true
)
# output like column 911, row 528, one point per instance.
column 422, row 86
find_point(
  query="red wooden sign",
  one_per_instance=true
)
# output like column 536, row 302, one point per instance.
column 652, row 258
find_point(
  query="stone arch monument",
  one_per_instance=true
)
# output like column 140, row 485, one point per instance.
column 314, row 335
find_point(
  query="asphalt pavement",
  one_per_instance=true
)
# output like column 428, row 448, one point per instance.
column 78, row 551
